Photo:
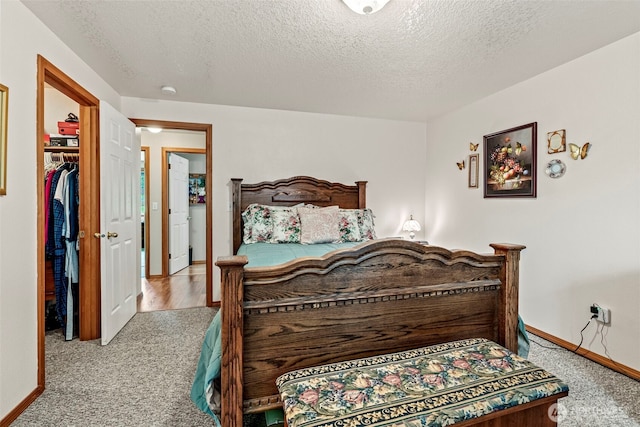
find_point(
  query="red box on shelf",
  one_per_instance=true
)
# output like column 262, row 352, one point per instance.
column 69, row 128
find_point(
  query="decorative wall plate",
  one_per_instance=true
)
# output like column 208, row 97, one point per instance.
column 555, row 168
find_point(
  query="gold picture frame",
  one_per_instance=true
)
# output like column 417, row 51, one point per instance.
column 556, row 141
column 473, row 170
column 4, row 107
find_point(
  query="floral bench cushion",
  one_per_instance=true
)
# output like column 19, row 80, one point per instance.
column 432, row 386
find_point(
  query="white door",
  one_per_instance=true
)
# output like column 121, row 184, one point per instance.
column 119, row 220
column 178, row 213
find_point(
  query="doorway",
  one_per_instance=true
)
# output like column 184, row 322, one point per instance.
column 206, row 267
column 184, row 286
column 88, row 192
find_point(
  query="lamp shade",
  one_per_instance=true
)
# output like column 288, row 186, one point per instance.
column 411, row 225
column 365, row 7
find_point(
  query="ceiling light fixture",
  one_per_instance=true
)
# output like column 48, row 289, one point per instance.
column 168, row 90
column 154, row 130
column 365, row 7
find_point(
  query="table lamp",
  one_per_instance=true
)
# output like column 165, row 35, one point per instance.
column 411, row 225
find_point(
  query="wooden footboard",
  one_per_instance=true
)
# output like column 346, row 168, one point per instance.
column 380, row 297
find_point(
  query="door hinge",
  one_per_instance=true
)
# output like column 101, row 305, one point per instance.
column 169, row 210
column 169, row 256
column 169, row 166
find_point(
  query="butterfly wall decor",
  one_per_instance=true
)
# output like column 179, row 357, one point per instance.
column 577, row 151
column 473, row 147
column 460, row 165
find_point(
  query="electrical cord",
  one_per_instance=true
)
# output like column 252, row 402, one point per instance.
column 595, row 316
column 606, row 350
column 544, row 346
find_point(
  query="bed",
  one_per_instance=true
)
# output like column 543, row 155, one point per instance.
column 380, row 296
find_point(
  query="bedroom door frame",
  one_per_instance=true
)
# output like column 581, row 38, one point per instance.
column 89, row 193
column 207, row 128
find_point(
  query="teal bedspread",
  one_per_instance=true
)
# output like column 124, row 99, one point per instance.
column 208, row 370
column 268, row 254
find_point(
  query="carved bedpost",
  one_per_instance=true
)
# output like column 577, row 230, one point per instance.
column 510, row 278
column 231, row 380
column 237, row 213
column 362, row 194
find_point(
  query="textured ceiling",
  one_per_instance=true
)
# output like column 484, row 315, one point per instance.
column 413, row 60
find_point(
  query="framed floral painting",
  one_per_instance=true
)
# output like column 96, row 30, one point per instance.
column 510, row 162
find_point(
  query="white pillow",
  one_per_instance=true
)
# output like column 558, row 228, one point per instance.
column 319, row 225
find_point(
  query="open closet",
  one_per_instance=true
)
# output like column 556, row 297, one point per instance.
column 106, row 273
column 57, row 96
column 61, row 201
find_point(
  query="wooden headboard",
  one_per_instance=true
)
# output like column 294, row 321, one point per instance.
column 292, row 191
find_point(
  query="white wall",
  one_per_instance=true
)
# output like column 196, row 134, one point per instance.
column 581, row 232
column 57, row 106
column 258, row 145
column 156, row 142
column 22, row 38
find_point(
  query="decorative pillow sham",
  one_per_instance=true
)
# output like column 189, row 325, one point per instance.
column 348, row 225
column 286, row 225
column 279, row 224
column 355, row 224
column 366, row 224
column 258, row 224
column 319, row 225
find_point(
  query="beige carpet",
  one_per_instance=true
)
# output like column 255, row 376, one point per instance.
column 143, row 378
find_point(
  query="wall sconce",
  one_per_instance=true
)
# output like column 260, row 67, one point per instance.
column 411, row 225
column 365, row 7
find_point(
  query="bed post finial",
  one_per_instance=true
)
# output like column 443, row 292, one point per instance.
column 509, row 276
column 362, row 194
column 231, row 331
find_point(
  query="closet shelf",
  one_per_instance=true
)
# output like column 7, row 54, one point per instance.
column 54, row 149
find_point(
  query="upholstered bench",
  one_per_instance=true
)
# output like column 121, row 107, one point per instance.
column 471, row 382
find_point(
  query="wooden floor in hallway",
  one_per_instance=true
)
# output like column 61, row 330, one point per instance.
column 184, row 289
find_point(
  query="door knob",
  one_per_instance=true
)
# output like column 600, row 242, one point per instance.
column 110, row 234
column 98, row 235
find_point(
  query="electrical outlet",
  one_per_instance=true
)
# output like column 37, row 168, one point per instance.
column 603, row 315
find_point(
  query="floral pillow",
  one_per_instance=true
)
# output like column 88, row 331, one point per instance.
column 348, row 225
column 286, row 225
column 258, row 224
column 366, row 224
column 319, row 225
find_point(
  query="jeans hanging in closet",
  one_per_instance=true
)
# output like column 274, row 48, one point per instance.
column 55, row 248
column 58, row 263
